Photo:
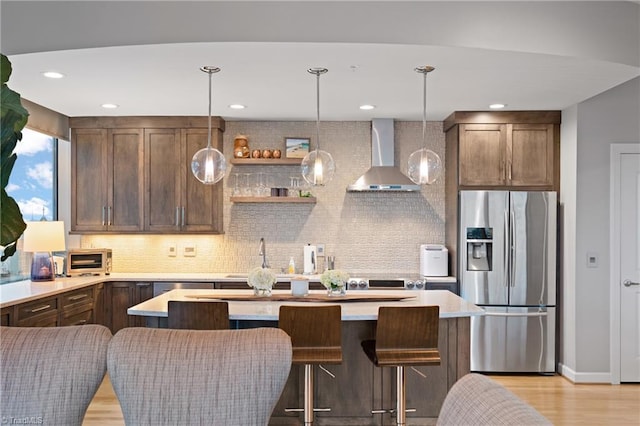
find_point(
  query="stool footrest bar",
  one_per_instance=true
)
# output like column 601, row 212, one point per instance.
column 300, row 410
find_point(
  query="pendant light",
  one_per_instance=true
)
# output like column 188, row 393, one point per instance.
column 208, row 164
column 425, row 166
column 318, row 166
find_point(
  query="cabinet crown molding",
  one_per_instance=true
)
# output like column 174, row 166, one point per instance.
column 146, row 122
column 501, row 117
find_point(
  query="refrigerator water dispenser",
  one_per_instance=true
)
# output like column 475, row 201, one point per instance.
column 479, row 249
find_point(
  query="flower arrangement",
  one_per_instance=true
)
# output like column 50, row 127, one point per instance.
column 334, row 278
column 261, row 278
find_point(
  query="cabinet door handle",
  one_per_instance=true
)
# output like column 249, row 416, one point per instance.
column 143, row 284
column 182, row 216
column 104, row 212
column 109, row 216
column 178, row 216
column 41, row 308
column 78, row 297
column 509, row 171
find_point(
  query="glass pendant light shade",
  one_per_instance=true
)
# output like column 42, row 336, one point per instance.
column 318, row 166
column 208, row 165
column 425, row 166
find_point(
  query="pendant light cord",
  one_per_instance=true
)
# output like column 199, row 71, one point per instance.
column 209, row 132
column 424, row 111
column 209, row 70
column 317, row 72
column 317, row 111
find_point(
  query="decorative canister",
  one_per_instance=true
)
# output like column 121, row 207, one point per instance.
column 256, row 153
column 266, row 153
column 241, row 147
column 277, row 153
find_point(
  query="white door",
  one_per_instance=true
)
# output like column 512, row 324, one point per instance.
column 629, row 267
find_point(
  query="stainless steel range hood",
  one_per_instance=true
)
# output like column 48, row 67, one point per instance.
column 383, row 175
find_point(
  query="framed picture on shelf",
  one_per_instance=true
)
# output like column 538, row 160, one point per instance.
column 296, row 147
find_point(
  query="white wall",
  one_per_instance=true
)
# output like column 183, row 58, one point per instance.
column 611, row 117
column 566, row 276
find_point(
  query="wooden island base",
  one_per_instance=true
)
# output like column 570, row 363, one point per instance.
column 360, row 387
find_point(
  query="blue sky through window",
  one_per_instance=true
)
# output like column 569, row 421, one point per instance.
column 31, row 183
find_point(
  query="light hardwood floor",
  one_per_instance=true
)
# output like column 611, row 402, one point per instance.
column 561, row 401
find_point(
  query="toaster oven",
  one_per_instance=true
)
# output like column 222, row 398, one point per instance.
column 88, row 262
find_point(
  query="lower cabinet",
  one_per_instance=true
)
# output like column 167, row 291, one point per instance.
column 6, row 315
column 38, row 313
column 120, row 296
column 77, row 307
column 103, row 303
column 74, row 307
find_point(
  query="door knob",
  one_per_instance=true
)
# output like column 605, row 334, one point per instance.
column 629, row 283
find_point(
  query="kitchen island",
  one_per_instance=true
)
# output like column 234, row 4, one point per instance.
column 358, row 387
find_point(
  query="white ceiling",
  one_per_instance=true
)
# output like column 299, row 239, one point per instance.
column 154, row 70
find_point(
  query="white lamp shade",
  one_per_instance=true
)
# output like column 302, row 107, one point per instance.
column 44, row 236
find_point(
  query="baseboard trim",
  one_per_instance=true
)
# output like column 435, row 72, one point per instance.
column 578, row 377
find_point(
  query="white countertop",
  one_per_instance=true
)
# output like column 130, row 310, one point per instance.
column 26, row 290
column 451, row 305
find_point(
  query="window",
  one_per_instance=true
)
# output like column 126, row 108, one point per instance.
column 33, row 181
column 33, row 184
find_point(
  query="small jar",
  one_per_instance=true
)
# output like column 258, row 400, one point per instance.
column 266, row 153
column 256, row 153
column 277, row 153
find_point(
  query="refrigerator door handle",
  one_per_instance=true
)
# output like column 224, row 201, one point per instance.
column 512, row 249
column 507, row 245
column 509, row 314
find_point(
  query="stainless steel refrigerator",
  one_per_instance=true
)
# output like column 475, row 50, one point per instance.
column 507, row 265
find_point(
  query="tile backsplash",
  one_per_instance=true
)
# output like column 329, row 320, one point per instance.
column 366, row 232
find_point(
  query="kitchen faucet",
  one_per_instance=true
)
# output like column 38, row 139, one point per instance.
column 263, row 252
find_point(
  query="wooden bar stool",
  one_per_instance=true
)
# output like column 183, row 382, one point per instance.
column 316, row 338
column 194, row 315
column 405, row 336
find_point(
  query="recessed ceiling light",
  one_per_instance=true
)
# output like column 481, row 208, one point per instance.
column 237, row 106
column 497, row 106
column 367, row 107
column 53, row 74
column 109, row 106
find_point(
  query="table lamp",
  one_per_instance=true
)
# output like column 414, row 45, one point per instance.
column 42, row 238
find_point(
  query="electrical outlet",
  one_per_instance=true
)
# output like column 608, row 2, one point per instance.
column 172, row 250
column 189, row 250
column 320, row 250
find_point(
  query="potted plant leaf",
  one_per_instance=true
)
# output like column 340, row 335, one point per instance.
column 14, row 118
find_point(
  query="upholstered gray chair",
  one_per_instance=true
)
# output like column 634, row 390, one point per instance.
column 213, row 377
column 50, row 375
column 478, row 400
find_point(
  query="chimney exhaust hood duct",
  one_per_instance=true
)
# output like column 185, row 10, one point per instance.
column 383, row 175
